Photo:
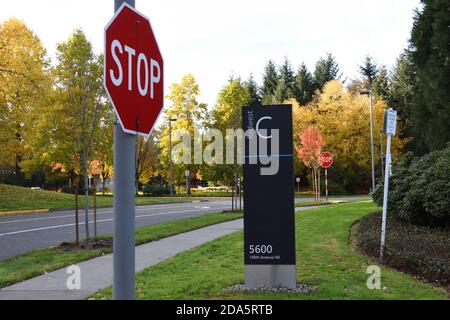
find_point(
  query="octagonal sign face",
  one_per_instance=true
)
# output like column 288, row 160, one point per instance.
column 133, row 71
column 326, row 160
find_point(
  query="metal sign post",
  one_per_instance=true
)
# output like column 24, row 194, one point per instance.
column 389, row 127
column 124, row 209
column 137, row 97
column 298, row 185
column 326, row 160
column 187, row 173
column 239, row 193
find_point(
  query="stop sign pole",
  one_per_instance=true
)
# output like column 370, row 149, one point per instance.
column 133, row 80
column 124, row 206
column 326, row 162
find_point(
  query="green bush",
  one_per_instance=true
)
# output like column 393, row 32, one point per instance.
column 418, row 250
column 419, row 189
column 156, row 190
column 334, row 188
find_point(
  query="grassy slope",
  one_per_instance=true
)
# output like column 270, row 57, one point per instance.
column 19, row 198
column 324, row 259
column 38, row 261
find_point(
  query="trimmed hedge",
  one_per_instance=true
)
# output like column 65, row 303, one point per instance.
column 156, row 190
column 419, row 189
column 418, row 250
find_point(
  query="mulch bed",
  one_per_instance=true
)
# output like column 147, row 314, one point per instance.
column 423, row 252
column 86, row 245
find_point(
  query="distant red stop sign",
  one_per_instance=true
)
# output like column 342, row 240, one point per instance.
column 133, row 71
column 326, row 159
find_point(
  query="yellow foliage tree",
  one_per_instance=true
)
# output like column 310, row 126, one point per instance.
column 24, row 85
column 344, row 120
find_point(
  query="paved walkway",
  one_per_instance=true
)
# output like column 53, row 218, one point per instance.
column 97, row 273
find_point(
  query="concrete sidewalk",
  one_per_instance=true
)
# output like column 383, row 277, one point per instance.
column 97, row 273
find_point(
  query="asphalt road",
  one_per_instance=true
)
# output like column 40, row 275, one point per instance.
column 23, row 233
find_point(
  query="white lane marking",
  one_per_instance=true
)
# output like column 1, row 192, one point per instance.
column 103, row 211
column 103, row 220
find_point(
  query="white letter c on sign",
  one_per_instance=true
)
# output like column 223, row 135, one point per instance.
column 257, row 128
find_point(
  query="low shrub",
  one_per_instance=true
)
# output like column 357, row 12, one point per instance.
column 418, row 250
column 419, row 189
column 156, row 190
column 334, row 188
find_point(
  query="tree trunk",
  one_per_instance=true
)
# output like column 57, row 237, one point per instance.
column 86, row 195
column 318, row 184
column 77, row 232
column 103, row 184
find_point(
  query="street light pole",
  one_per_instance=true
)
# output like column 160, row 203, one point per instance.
column 381, row 153
column 371, row 140
column 170, row 155
column 369, row 92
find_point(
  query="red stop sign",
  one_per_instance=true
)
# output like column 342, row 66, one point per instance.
column 133, row 71
column 326, row 159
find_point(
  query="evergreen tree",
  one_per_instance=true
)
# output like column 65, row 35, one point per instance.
column 430, row 55
column 253, row 90
column 326, row 70
column 287, row 75
column 270, row 82
column 368, row 70
column 381, row 84
column 401, row 91
column 281, row 92
column 304, row 85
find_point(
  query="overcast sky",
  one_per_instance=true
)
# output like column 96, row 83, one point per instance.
column 213, row 39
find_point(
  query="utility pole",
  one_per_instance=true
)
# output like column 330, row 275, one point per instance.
column 124, row 206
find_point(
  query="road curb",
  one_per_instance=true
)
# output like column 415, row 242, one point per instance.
column 17, row 212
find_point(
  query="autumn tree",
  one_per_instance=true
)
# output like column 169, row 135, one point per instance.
column 103, row 152
column 227, row 114
column 343, row 119
column 147, row 152
column 81, row 104
column 311, row 143
column 190, row 117
column 24, row 86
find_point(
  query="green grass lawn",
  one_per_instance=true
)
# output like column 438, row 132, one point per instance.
column 316, row 204
column 19, row 198
column 38, row 261
column 324, row 259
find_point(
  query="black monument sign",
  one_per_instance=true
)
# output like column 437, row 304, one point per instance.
column 269, row 220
